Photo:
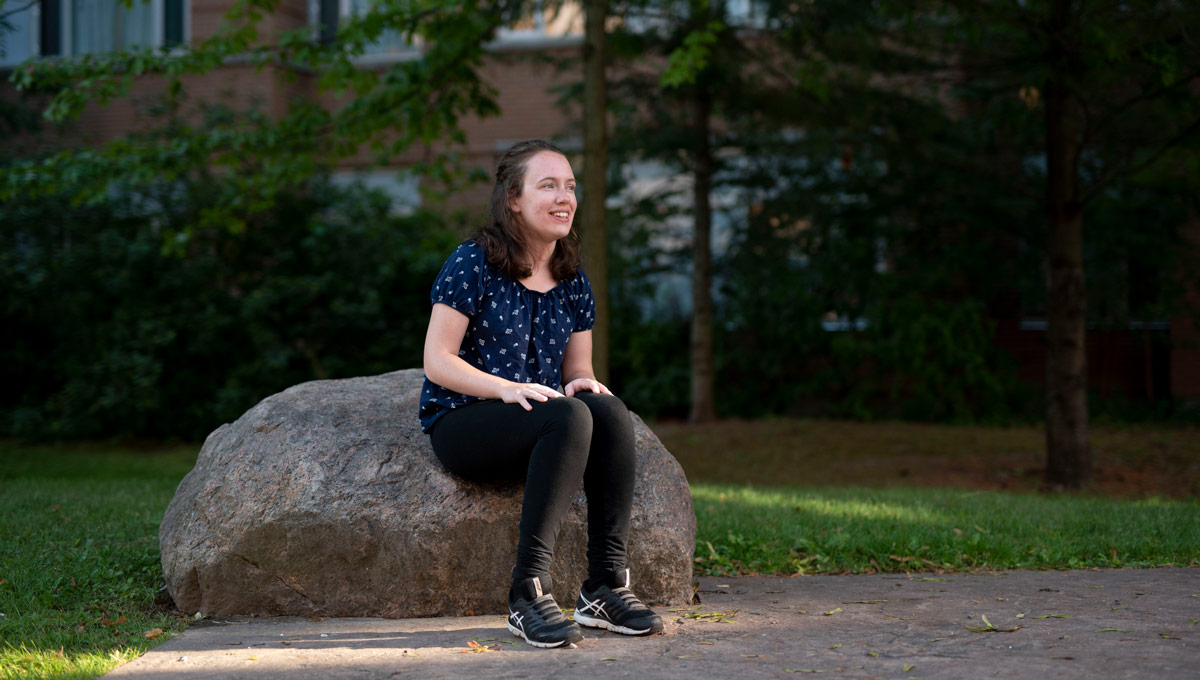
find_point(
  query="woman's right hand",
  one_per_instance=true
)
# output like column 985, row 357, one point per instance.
column 521, row 393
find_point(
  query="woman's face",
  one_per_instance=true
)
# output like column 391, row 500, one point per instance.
column 546, row 207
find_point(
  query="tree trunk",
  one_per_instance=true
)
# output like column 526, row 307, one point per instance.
column 703, row 409
column 1068, row 455
column 595, row 182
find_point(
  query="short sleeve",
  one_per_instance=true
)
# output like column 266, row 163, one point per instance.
column 583, row 303
column 460, row 283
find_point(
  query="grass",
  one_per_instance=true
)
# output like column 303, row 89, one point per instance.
column 79, row 563
column 79, row 559
column 745, row 529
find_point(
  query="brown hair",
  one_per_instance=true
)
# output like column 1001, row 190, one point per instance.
column 501, row 237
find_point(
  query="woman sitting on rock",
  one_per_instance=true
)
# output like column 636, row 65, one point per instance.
column 510, row 327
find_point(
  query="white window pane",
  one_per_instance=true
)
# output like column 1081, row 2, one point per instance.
column 107, row 25
column 17, row 38
column 92, row 25
column 135, row 25
column 389, row 42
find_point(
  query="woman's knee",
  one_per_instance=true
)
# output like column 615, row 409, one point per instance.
column 606, row 409
column 569, row 414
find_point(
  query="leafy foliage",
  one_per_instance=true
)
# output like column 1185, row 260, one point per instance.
column 384, row 112
column 880, row 169
column 115, row 336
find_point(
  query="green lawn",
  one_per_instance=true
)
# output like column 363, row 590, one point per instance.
column 745, row 529
column 79, row 569
column 79, row 566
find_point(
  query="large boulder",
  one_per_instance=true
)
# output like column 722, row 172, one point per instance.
column 326, row 499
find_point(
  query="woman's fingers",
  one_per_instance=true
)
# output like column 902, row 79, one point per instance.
column 522, row 393
column 585, row 385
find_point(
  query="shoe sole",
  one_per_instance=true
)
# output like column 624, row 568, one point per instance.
column 585, row 620
column 544, row 645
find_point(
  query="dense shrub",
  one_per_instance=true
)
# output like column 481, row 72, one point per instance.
column 119, row 321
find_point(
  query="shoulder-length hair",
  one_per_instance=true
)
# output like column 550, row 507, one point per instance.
column 501, row 236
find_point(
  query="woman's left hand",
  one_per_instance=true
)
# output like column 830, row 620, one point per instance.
column 584, row 385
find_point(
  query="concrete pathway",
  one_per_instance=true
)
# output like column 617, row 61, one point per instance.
column 1065, row 624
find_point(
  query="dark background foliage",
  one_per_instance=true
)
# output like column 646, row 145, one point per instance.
column 113, row 329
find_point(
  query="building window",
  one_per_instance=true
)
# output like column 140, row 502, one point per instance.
column 18, row 31
column 563, row 23
column 544, row 27
column 327, row 14
column 70, row 28
column 403, row 188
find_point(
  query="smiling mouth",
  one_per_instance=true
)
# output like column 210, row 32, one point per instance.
column 563, row 215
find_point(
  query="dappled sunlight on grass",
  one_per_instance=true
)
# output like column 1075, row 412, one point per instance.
column 744, row 529
column 782, row 500
column 78, row 592
column 23, row 662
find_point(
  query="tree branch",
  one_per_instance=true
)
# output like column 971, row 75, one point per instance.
column 7, row 14
column 1123, row 167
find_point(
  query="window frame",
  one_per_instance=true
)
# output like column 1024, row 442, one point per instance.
column 38, row 30
column 34, row 37
column 346, row 10
column 506, row 38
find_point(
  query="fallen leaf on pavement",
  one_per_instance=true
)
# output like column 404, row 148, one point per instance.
column 988, row 627
column 474, row 647
column 715, row 617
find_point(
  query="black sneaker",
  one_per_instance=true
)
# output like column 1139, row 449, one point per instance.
column 613, row 605
column 535, row 616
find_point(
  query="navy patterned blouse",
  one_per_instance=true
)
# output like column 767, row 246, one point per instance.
column 515, row 333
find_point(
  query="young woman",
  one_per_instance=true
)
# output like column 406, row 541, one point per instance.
column 510, row 394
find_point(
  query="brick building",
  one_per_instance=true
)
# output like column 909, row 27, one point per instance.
column 70, row 28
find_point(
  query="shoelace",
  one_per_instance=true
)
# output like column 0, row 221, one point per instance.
column 623, row 600
column 547, row 610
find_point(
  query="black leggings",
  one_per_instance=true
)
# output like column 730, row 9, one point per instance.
column 552, row 447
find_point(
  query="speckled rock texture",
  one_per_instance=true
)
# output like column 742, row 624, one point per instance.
column 326, row 499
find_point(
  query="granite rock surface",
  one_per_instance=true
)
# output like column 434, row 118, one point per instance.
column 327, row 500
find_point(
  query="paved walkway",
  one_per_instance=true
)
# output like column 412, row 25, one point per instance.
column 1067, row 624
